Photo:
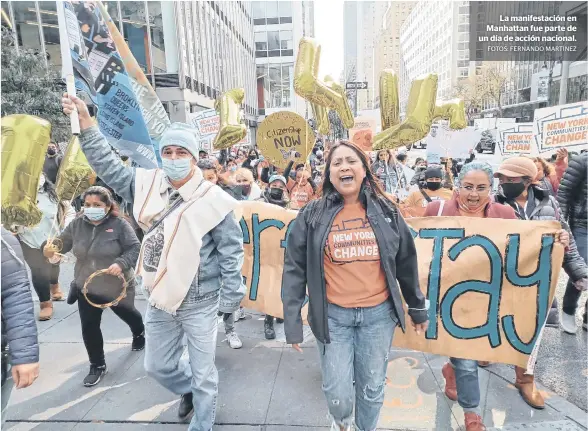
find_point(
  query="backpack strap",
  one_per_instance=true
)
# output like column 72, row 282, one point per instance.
column 441, row 206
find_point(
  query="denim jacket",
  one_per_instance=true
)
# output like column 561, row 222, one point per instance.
column 221, row 253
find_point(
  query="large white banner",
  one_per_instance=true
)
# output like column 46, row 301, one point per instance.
column 561, row 126
column 445, row 142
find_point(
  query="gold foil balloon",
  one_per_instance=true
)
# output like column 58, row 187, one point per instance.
column 231, row 130
column 419, row 116
column 344, row 112
column 75, row 174
column 452, row 110
column 321, row 116
column 389, row 99
column 25, row 139
column 308, row 86
column 285, row 136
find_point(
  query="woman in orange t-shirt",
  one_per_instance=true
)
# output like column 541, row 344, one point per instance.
column 355, row 252
column 300, row 190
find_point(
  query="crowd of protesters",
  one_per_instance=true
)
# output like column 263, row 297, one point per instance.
column 132, row 216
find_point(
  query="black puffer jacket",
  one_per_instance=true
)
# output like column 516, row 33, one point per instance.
column 19, row 330
column 304, row 265
column 573, row 191
column 97, row 247
column 542, row 206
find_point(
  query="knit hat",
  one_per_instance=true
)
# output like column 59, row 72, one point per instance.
column 517, row 167
column 277, row 178
column 181, row 135
column 433, row 172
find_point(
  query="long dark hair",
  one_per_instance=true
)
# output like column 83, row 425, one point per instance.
column 369, row 184
column 105, row 196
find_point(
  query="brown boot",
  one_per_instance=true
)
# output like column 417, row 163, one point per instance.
column 46, row 312
column 473, row 422
column 56, row 293
column 525, row 383
column 450, row 385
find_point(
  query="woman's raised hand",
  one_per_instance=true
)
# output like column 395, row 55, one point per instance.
column 71, row 103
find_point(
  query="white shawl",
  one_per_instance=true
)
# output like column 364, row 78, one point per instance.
column 205, row 206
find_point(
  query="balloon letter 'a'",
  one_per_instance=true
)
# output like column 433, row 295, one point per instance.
column 452, row 110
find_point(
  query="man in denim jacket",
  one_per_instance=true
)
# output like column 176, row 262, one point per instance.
column 190, row 260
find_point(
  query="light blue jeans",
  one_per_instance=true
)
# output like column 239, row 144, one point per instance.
column 468, row 386
column 358, row 351
column 197, row 319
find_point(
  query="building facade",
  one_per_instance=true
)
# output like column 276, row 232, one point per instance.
column 279, row 26
column 435, row 39
column 387, row 46
column 191, row 51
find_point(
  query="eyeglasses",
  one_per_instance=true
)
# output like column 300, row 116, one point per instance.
column 479, row 189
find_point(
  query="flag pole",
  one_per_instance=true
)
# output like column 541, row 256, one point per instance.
column 67, row 72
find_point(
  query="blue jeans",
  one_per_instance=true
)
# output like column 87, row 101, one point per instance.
column 197, row 319
column 360, row 342
column 468, row 386
column 570, row 300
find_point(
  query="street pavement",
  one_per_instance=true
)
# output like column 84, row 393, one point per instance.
column 267, row 386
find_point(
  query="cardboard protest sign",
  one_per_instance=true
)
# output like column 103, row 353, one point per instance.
column 517, row 139
column 562, row 126
column 285, row 136
column 207, row 122
column 363, row 132
column 490, row 285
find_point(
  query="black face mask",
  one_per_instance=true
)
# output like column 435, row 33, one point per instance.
column 252, row 157
column 433, row 185
column 51, row 151
column 246, row 189
column 512, row 190
column 276, row 193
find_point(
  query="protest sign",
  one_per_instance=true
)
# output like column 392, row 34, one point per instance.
column 104, row 79
column 208, row 124
column 490, row 285
column 284, row 136
column 562, row 126
column 363, row 132
column 517, row 139
column 445, row 142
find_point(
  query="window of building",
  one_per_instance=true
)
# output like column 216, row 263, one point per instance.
column 258, row 12
column 48, row 12
column 285, row 11
column 135, row 31
column 27, row 27
column 157, row 37
column 271, row 12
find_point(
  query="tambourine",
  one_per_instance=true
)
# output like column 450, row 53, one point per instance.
column 122, row 295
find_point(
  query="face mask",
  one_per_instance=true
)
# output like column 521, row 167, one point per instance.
column 246, row 188
column 51, row 151
column 94, row 214
column 433, row 185
column 177, row 169
column 512, row 190
column 276, row 193
column 252, row 157
column 463, row 204
column 233, row 168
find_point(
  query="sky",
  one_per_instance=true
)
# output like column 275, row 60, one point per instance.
column 328, row 30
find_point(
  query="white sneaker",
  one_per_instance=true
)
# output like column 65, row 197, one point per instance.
column 568, row 323
column 234, row 341
column 239, row 314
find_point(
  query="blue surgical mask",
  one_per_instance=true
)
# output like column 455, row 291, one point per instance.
column 94, row 214
column 177, row 169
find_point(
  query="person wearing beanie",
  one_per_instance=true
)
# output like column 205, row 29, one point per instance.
column 416, row 203
column 530, row 202
column 193, row 221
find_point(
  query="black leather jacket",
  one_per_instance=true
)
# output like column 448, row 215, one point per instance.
column 572, row 193
column 304, row 265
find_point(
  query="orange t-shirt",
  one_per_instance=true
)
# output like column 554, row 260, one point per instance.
column 353, row 273
column 299, row 195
